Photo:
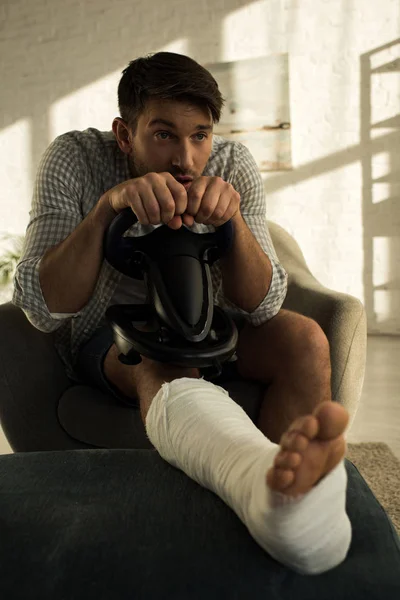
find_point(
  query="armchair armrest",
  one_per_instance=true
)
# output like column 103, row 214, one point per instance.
column 341, row 316
column 32, row 380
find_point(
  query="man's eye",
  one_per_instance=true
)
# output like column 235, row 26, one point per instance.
column 163, row 135
column 202, row 136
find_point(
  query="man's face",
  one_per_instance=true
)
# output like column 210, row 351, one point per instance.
column 171, row 136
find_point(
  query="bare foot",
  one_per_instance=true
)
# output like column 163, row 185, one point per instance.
column 312, row 446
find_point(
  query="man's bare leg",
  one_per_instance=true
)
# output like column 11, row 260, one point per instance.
column 290, row 354
column 144, row 380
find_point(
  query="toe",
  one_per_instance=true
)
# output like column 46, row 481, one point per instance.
column 308, row 425
column 294, row 441
column 287, row 460
column 333, row 420
column 279, row 479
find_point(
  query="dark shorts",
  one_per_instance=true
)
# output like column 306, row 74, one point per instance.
column 91, row 358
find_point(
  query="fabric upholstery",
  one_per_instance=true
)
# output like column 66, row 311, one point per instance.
column 341, row 316
column 124, row 524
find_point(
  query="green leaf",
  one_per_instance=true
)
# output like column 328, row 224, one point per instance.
column 11, row 257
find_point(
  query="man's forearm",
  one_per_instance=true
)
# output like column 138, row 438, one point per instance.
column 68, row 272
column 246, row 270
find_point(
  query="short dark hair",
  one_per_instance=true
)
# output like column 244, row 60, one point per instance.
column 169, row 76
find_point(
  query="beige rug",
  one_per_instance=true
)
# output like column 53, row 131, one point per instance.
column 381, row 470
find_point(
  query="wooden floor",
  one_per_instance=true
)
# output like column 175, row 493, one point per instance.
column 378, row 416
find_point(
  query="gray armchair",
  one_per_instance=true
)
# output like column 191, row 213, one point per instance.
column 41, row 409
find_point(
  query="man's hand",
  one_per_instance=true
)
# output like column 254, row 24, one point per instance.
column 159, row 198
column 211, row 201
column 154, row 198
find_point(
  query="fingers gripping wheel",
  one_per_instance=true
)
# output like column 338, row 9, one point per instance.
column 180, row 324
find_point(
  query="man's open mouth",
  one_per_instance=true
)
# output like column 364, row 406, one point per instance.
column 184, row 180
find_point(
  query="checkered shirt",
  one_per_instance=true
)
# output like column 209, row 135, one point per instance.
column 76, row 169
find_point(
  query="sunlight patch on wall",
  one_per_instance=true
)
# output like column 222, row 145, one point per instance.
column 16, row 178
column 381, row 250
column 179, row 46
column 253, row 30
column 380, row 192
column 94, row 105
column 380, row 165
column 386, row 281
column 385, row 305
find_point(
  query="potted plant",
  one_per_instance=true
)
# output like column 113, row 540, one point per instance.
column 8, row 263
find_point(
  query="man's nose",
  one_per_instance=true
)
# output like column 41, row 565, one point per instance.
column 183, row 158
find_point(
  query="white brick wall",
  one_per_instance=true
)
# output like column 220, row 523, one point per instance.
column 60, row 63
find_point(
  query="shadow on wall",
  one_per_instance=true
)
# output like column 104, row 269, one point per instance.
column 379, row 155
column 52, row 52
column 381, row 190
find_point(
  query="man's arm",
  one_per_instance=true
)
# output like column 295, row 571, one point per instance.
column 253, row 280
column 68, row 272
column 62, row 252
column 246, row 270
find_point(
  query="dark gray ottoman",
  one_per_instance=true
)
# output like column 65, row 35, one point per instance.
column 123, row 524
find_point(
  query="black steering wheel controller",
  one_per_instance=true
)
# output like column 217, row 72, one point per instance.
column 179, row 324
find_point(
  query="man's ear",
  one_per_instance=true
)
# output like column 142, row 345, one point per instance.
column 122, row 134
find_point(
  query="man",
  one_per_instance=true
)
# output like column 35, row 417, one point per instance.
column 163, row 161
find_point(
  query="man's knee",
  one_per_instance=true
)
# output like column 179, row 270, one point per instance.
column 288, row 341
column 291, row 335
column 302, row 339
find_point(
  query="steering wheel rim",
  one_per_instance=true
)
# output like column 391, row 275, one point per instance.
column 118, row 249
